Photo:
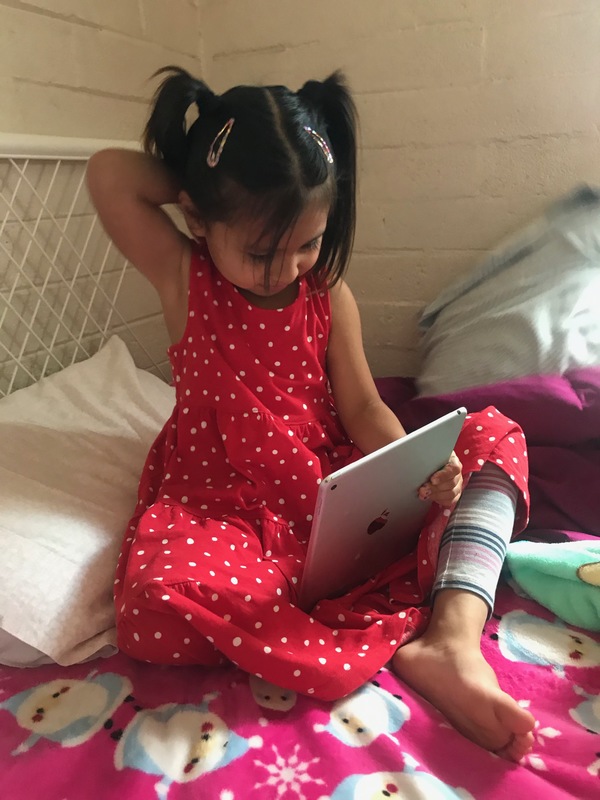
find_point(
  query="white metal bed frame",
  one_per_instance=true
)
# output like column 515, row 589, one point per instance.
column 60, row 276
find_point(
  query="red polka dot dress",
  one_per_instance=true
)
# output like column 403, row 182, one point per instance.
column 213, row 556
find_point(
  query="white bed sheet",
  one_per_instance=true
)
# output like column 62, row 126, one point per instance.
column 73, row 447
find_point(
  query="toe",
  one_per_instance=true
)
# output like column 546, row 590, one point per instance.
column 512, row 717
column 517, row 724
column 505, row 752
column 520, row 746
column 524, row 723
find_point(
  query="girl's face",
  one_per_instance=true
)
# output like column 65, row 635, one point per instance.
column 241, row 255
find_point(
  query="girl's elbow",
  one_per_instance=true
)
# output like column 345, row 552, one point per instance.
column 98, row 170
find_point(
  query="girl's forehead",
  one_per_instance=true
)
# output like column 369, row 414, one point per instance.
column 309, row 225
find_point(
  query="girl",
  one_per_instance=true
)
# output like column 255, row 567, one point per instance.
column 273, row 393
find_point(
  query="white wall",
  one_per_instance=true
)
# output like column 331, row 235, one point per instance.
column 81, row 67
column 78, row 68
column 473, row 112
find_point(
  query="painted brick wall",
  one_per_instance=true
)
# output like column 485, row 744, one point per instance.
column 81, row 67
column 473, row 112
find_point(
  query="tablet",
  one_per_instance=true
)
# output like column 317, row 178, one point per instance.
column 368, row 514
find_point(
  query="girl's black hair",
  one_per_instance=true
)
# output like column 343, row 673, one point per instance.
column 271, row 167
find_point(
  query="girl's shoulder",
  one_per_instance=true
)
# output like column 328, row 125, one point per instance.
column 319, row 287
column 200, row 264
column 344, row 309
column 199, row 253
column 339, row 295
column 318, row 294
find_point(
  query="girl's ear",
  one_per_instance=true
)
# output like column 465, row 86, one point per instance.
column 196, row 225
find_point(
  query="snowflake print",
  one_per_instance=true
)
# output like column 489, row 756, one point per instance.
column 594, row 767
column 540, row 735
column 289, row 775
column 2, row 680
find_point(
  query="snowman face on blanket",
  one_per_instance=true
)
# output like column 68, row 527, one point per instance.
column 267, row 695
column 532, row 640
column 179, row 743
column 357, row 720
column 65, row 710
column 397, row 786
column 588, row 712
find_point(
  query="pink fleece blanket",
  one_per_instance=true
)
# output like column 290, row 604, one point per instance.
column 118, row 728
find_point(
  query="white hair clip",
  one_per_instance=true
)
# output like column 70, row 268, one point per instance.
column 218, row 143
column 321, row 142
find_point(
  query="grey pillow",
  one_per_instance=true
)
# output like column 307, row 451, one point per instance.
column 532, row 306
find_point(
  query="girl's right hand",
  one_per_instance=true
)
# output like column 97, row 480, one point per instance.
column 445, row 486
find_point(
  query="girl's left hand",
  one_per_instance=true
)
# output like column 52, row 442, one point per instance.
column 445, row 486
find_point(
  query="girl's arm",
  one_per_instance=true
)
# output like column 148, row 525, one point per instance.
column 365, row 417
column 128, row 189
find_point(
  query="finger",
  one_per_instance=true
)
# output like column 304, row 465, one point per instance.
column 448, row 473
column 424, row 491
column 454, row 459
column 455, row 484
column 450, row 492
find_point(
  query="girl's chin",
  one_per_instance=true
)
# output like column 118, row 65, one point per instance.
column 273, row 297
column 271, row 291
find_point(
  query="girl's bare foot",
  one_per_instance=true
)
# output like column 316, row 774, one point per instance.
column 459, row 682
column 447, row 668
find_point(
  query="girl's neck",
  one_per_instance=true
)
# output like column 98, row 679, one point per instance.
column 279, row 300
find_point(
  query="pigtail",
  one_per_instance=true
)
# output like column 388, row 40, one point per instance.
column 330, row 100
column 165, row 134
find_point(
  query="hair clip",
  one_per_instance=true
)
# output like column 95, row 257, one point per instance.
column 218, row 143
column 322, row 144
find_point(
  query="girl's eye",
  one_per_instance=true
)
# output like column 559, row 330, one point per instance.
column 261, row 258
column 315, row 244
column 257, row 258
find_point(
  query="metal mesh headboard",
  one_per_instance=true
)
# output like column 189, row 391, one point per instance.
column 64, row 288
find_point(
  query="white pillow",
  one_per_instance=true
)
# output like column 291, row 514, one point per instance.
column 533, row 305
column 72, row 450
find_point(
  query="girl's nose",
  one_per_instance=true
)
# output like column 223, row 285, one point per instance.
column 290, row 269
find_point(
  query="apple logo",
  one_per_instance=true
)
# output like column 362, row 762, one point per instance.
column 378, row 522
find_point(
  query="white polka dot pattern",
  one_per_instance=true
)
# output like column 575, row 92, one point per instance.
column 261, row 377
column 213, row 557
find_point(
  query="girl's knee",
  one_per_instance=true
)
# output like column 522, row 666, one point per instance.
column 151, row 628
